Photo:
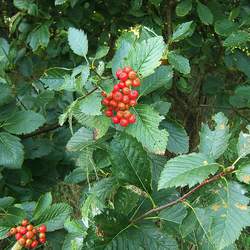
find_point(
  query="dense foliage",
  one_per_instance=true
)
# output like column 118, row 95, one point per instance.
column 177, row 178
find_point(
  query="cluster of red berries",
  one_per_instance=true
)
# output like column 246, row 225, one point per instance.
column 28, row 236
column 122, row 97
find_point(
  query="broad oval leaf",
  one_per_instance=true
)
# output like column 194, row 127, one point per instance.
column 146, row 55
column 130, row 162
column 204, row 13
column 43, row 203
column 187, row 170
column 183, row 8
column 215, row 142
column 78, row 41
column 24, row 122
column 54, row 216
column 243, row 145
column 146, row 129
column 182, row 31
column 179, row 62
column 237, row 38
column 11, row 151
column 243, row 173
column 162, row 77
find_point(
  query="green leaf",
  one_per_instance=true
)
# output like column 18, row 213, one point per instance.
column 243, row 145
column 80, row 140
column 54, row 216
column 54, row 78
column 146, row 129
column 161, row 78
column 130, row 162
column 142, row 237
column 5, row 93
column 243, row 173
column 120, row 55
column 100, row 124
column 241, row 97
column 178, row 140
column 225, row 27
column 101, row 52
column 187, row 170
column 204, row 13
column 230, row 214
column 24, row 122
column 179, row 62
column 237, row 38
column 4, row 51
column 161, row 107
column 182, row 31
column 145, row 56
column 78, row 41
column 60, row 2
column 215, row 142
column 183, row 8
column 91, row 105
column 76, row 176
column 43, row 203
column 6, row 201
column 11, row 151
column 39, row 37
column 97, row 197
column 174, row 214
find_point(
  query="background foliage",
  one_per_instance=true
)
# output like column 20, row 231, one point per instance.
column 62, row 163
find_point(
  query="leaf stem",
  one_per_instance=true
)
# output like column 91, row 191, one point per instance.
column 228, row 170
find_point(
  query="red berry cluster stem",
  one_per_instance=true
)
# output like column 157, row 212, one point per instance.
column 122, row 97
column 28, row 236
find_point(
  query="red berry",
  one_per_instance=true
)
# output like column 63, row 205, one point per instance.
column 127, row 106
column 132, row 75
column 115, row 120
column 18, row 236
column 119, row 114
column 110, row 96
column 13, row 231
column 126, row 91
column 123, row 76
column 132, row 103
column 121, row 106
column 28, row 243
column 117, row 96
column 34, row 244
column 34, row 231
column 124, row 122
column 118, row 72
column 104, row 94
column 113, row 103
column 22, row 241
column 132, row 119
column 105, row 101
column 121, row 85
column 133, row 94
column 116, row 87
column 126, row 114
column 128, row 83
column 125, row 99
column 127, row 69
column 23, row 230
column 25, row 222
column 109, row 113
column 42, row 229
column 136, row 82
column 42, row 235
column 29, row 235
column 29, row 227
column 18, row 228
column 42, row 240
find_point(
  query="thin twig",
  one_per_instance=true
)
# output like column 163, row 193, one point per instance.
column 185, row 196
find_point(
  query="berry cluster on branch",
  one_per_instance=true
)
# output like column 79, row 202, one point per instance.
column 28, row 236
column 122, row 97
